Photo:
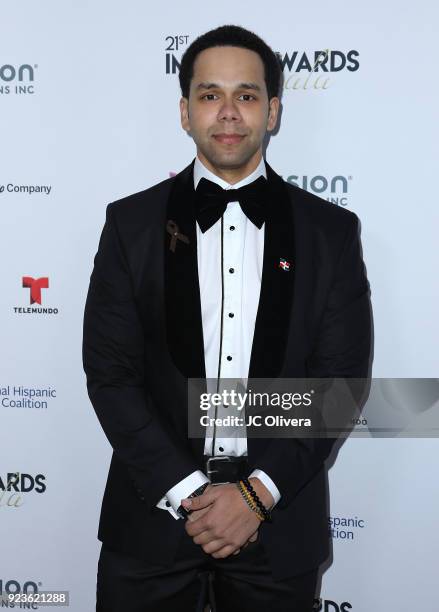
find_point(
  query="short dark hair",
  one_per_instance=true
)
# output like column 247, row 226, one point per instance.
column 231, row 36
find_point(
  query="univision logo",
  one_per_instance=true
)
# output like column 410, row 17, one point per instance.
column 336, row 188
column 8, row 73
column 27, row 595
column 10, row 587
column 20, row 75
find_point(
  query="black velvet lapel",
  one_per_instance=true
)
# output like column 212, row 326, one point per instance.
column 275, row 301
column 182, row 294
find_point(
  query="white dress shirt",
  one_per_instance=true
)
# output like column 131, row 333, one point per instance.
column 243, row 251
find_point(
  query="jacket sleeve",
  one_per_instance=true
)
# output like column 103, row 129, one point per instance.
column 342, row 350
column 113, row 360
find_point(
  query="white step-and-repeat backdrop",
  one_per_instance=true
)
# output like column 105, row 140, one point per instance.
column 89, row 113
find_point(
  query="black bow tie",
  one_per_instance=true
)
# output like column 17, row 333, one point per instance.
column 211, row 201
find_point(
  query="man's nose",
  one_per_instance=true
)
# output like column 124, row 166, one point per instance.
column 229, row 111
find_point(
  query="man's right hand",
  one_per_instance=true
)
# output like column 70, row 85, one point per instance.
column 195, row 514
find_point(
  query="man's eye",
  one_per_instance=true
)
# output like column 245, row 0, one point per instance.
column 208, row 96
column 247, row 96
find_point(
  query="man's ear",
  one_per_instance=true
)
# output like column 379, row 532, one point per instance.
column 184, row 114
column 273, row 111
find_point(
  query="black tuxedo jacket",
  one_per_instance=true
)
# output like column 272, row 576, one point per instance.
column 143, row 338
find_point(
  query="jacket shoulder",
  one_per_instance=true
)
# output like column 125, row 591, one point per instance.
column 319, row 211
column 148, row 201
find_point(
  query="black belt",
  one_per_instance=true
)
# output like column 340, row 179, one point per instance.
column 223, row 469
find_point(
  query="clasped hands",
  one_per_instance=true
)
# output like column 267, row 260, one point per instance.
column 221, row 522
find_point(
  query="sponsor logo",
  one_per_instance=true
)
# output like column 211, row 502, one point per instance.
column 335, row 189
column 314, row 70
column 26, row 189
column 12, row 396
column 11, row 586
column 17, row 79
column 35, row 286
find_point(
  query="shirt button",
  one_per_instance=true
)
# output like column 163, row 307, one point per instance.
column 232, row 227
column 231, row 315
column 168, row 504
column 220, row 448
column 229, row 358
column 231, row 270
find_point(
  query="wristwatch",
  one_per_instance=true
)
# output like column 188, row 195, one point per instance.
column 182, row 512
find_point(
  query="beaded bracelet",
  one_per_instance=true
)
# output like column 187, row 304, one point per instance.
column 252, row 501
column 249, row 500
column 266, row 513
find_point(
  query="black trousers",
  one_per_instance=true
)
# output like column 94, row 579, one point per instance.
column 240, row 582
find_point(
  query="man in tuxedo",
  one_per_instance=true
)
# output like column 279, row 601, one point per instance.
column 222, row 271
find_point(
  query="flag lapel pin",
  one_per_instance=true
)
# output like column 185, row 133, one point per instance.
column 284, row 264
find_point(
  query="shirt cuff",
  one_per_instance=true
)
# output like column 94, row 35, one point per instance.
column 266, row 480
column 180, row 491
